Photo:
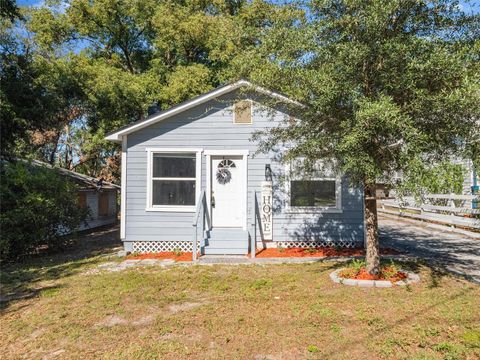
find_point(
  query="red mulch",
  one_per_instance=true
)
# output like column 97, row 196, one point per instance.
column 385, row 274
column 316, row 252
column 186, row 256
column 270, row 253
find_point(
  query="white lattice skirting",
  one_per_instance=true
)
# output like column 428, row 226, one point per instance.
column 319, row 244
column 143, row 247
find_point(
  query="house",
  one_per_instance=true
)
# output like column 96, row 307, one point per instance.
column 472, row 179
column 196, row 164
column 100, row 197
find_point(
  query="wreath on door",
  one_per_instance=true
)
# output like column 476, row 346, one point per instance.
column 224, row 174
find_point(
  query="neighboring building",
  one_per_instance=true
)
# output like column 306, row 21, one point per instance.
column 198, row 159
column 471, row 182
column 99, row 196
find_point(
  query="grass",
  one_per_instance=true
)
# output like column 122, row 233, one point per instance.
column 235, row 312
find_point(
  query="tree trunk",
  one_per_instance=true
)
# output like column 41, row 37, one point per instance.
column 371, row 231
column 51, row 158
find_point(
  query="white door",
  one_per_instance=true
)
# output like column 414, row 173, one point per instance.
column 228, row 191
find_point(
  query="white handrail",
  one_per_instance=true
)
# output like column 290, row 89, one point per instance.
column 198, row 208
column 253, row 236
column 201, row 205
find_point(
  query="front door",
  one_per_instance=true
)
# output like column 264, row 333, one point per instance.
column 228, row 191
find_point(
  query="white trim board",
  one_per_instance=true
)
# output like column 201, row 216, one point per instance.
column 123, row 189
column 227, row 152
column 117, row 136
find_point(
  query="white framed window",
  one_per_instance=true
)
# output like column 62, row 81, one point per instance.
column 313, row 190
column 173, row 179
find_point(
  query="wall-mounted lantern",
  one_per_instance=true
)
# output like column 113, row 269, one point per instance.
column 268, row 172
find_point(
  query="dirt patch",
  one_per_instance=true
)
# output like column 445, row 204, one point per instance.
column 317, row 252
column 111, row 321
column 170, row 255
column 35, row 334
column 266, row 357
column 145, row 320
column 176, row 308
column 53, row 354
column 115, row 320
column 288, row 355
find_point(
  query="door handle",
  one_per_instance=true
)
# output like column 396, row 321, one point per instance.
column 213, row 200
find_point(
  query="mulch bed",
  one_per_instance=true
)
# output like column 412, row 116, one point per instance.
column 386, row 273
column 269, row 253
column 167, row 255
column 317, row 252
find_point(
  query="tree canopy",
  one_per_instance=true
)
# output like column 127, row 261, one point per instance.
column 104, row 62
column 382, row 81
column 386, row 84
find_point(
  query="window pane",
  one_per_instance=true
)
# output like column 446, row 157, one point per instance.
column 313, row 193
column 179, row 192
column 165, row 165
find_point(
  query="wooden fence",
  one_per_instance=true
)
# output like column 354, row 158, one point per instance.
column 457, row 210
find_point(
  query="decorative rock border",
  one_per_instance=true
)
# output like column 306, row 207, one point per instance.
column 412, row 278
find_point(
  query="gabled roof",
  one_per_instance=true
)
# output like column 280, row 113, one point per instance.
column 116, row 136
column 85, row 181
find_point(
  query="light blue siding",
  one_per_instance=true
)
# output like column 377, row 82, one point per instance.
column 210, row 126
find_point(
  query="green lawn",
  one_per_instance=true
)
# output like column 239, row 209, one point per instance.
column 236, row 312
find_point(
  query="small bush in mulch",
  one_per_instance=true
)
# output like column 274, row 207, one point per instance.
column 356, row 270
column 172, row 255
column 316, row 252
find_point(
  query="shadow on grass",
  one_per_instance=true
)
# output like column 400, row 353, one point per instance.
column 433, row 280
column 380, row 332
column 37, row 275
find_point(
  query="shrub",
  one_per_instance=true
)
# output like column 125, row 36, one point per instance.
column 177, row 251
column 37, row 206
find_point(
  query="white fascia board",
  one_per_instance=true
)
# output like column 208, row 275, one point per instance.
column 116, row 137
column 226, row 152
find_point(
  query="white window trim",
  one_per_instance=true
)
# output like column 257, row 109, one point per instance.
column 251, row 113
column 198, row 178
column 313, row 209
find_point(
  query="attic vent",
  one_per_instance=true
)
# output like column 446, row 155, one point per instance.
column 243, row 112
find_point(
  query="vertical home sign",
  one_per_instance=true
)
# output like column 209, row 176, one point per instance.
column 266, row 210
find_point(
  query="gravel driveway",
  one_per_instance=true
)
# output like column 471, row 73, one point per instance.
column 454, row 252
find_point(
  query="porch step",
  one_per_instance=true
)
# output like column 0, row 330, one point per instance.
column 229, row 251
column 226, row 241
column 227, row 234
